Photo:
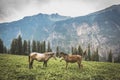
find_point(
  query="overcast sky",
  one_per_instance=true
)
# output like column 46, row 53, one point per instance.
column 11, row 10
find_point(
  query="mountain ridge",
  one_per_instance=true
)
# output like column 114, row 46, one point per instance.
column 101, row 29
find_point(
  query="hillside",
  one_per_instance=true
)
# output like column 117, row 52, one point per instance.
column 14, row 67
column 101, row 29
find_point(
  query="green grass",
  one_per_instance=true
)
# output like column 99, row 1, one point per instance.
column 14, row 67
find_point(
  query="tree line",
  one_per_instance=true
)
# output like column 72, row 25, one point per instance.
column 24, row 47
column 88, row 56
column 3, row 48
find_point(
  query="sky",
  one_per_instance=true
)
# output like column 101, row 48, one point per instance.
column 12, row 10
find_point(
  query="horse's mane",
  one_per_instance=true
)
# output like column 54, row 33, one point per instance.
column 64, row 53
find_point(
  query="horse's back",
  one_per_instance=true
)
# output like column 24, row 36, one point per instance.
column 33, row 54
column 75, row 58
column 36, row 54
column 79, row 57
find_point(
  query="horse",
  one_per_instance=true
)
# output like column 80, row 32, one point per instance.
column 41, row 57
column 72, row 59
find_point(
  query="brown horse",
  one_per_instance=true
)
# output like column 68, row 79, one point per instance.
column 72, row 59
column 41, row 57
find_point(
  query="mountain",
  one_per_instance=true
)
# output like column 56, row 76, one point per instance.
column 99, row 29
column 36, row 27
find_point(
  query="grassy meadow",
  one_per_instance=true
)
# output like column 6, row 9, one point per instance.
column 15, row 67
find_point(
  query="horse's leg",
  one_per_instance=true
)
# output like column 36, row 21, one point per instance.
column 44, row 64
column 30, row 63
column 78, row 64
column 66, row 64
column 29, row 59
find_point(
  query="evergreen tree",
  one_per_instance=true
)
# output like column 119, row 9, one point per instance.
column 4, row 49
column 93, row 56
column 89, row 53
column 57, row 52
column 118, row 60
column 29, row 47
column 24, row 48
column 41, row 47
column 34, row 47
column 75, row 51
column 37, row 46
column 49, row 49
column 80, row 51
column 110, row 56
column 1, row 46
column 44, row 46
column 72, row 50
column 97, row 55
column 19, row 44
column 14, row 46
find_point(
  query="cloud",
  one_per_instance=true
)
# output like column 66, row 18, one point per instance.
column 11, row 10
column 15, row 9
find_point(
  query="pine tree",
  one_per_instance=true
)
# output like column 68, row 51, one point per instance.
column 89, row 53
column 76, row 51
column 118, row 60
column 57, row 52
column 38, row 46
column 49, row 48
column 110, row 56
column 14, row 47
column 1, row 46
column 4, row 49
column 24, row 48
column 41, row 48
column 29, row 47
column 19, row 44
column 80, row 51
column 97, row 55
column 44, row 46
column 72, row 50
column 34, row 47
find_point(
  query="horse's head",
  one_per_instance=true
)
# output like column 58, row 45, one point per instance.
column 62, row 54
column 84, row 53
column 52, row 54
